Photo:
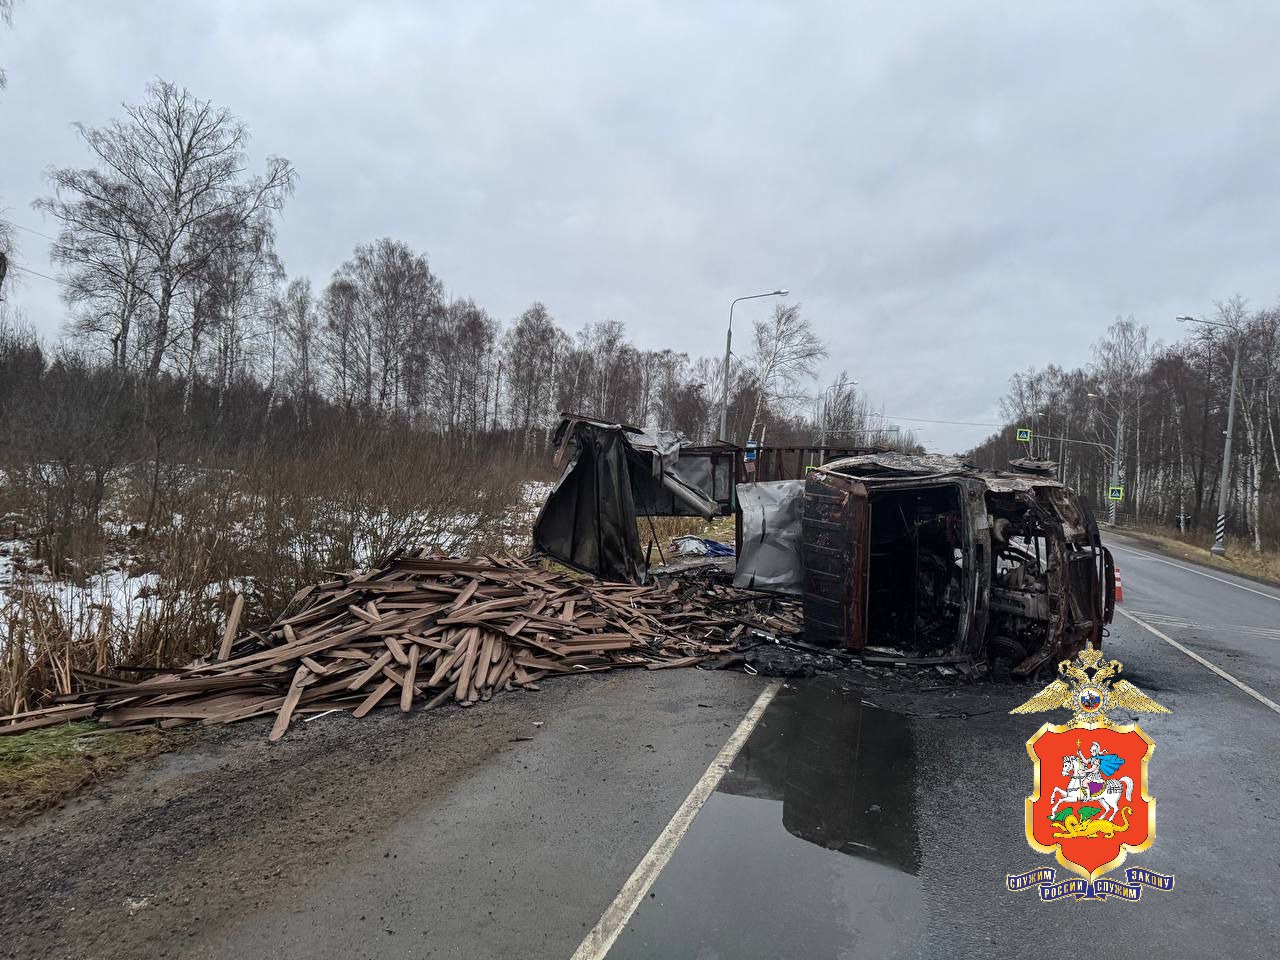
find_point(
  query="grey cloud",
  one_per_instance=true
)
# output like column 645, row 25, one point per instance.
column 954, row 191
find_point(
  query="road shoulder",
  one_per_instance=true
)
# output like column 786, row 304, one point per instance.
column 208, row 850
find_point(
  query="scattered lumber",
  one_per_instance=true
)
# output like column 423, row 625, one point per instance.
column 421, row 630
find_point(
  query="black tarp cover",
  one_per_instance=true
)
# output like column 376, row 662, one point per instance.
column 588, row 521
column 613, row 474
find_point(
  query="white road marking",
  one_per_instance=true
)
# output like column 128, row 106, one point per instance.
column 598, row 942
column 1167, row 620
column 1199, row 573
column 1265, row 701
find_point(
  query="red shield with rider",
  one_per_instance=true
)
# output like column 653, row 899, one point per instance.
column 1090, row 804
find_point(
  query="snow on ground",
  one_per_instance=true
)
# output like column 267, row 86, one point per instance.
column 130, row 596
column 125, row 596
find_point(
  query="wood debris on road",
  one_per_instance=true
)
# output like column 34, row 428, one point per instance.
column 422, row 630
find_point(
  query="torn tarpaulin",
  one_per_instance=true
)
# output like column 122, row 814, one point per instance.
column 691, row 546
column 612, row 474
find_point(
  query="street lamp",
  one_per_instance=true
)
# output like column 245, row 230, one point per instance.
column 1219, row 547
column 728, row 343
column 1115, row 457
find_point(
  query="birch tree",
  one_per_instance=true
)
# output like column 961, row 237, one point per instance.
column 786, row 354
column 162, row 175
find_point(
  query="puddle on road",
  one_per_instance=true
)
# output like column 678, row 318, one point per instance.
column 808, row 847
column 844, row 773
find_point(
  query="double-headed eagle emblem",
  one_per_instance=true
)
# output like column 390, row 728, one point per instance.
column 1090, row 697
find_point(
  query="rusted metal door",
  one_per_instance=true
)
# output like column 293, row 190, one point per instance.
column 836, row 550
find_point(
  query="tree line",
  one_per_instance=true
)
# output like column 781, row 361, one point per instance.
column 189, row 349
column 167, row 254
column 1164, row 407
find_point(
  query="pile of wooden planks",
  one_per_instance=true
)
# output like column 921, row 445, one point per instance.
column 422, row 629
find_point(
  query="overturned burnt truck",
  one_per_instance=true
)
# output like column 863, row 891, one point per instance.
column 928, row 558
column 921, row 559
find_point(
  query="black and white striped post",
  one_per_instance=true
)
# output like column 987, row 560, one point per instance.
column 1219, row 547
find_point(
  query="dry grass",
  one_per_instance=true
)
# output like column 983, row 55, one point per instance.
column 40, row 768
column 1240, row 559
column 265, row 526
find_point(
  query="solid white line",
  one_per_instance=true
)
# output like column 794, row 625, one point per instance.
column 1183, row 566
column 1265, row 701
column 598, row 942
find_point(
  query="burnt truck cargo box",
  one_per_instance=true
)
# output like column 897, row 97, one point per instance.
column 926, row 559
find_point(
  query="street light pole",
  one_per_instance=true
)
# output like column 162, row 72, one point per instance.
column 1219, row 548
column 1115, row 455
column 728, row 349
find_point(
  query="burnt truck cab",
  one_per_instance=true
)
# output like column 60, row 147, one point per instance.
column 925, row 559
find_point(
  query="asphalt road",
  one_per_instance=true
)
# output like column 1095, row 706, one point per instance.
column 903, row 847
column 851, row 823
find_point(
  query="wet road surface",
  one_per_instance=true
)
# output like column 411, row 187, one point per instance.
column 846, row 830
column 808, row 848
column 851, row 823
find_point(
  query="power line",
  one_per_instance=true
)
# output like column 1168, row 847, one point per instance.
column 29, row 230
column 958, row 423
column 18, row 266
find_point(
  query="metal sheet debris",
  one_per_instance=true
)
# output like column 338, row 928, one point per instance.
column 769, row 558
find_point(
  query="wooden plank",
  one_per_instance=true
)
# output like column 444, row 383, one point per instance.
column 373, row 699
column 397, row 650
column 35, row 723
column 375, row 668
column 679, row 662
column 483, row 661
column 463, row 691
column 467, row 593
column 233, row 624
column 290, row 701
column 406, row 692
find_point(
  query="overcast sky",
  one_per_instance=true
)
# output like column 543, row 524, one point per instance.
column 953, row 190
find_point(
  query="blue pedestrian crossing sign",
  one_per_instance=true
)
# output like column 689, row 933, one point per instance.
column 1115, row 493
column 1024, row 434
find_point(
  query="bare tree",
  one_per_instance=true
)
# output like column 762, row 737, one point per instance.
column 172, row 167
column 300, row 320
column 533, row 353
column 786, row 354
column 6, row 250
column 394, row 298
column 341, row 341
column 6, row 231
column 6, row 17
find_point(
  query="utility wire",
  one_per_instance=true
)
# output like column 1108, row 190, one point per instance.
column 960, row 423
column 29, row 230
column 18, row 266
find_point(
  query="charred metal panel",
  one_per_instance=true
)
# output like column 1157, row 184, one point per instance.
column 835, row 551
